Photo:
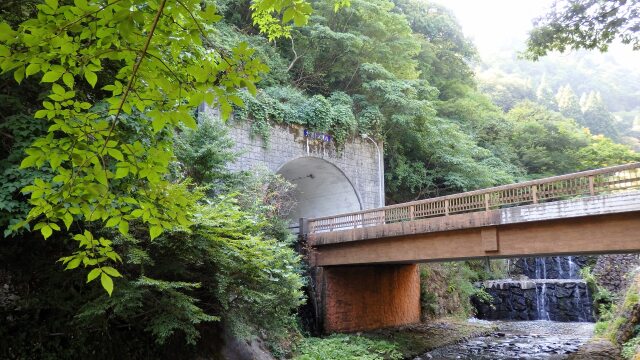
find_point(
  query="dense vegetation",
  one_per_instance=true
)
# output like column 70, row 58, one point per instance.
column 100, row 156
column 619, row 321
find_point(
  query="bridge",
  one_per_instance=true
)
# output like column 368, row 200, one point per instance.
column 365, row 261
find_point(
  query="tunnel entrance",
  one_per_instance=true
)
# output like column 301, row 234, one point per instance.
column 321, row 188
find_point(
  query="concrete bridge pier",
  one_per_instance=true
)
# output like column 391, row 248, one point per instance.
column 358, row 298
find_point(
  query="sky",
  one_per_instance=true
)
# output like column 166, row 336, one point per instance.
column 496, row 24
column 493, row 23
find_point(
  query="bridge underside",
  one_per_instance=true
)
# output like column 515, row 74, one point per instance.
column 602, row 234
column 597, row 225
column 369, row 278
column 372, row 254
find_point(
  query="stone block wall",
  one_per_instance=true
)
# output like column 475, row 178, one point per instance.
column 613, row 271
column 357, row 158
column 556, row 300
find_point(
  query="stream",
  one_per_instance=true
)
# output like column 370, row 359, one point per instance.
column 538, row 339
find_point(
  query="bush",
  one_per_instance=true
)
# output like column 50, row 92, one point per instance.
column 230, row 268
column 630, row 348
column 346, row 347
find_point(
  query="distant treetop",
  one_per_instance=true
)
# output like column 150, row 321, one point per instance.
column 585, row 24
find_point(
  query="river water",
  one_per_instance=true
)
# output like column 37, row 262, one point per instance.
column 520, row 340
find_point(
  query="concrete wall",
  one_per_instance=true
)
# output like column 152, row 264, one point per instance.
column 357, row 163
column 361, row 298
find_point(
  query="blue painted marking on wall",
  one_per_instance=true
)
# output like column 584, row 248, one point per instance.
column 317, row 136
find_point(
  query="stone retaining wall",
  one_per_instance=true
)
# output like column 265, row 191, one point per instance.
column 613, row 271
column 557, row 300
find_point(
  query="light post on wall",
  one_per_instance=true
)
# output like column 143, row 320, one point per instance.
column 380, row 169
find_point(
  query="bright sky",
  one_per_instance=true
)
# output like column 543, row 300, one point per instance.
column 494, row 25
column 491, row 24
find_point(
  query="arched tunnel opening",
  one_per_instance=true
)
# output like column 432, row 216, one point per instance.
column 321, row 189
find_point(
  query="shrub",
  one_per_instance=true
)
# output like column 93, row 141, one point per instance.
column 346, row 347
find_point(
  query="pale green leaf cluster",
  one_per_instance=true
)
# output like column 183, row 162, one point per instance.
column 146, row 60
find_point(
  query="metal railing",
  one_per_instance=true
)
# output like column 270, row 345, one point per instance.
column 587, row 183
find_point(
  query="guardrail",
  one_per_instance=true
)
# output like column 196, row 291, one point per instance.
column 586, row 183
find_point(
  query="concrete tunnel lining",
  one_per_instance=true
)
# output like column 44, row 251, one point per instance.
column 322, row 189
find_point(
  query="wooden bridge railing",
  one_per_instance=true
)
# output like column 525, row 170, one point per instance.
column 586, row 183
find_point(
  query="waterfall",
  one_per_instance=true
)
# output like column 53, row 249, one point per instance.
column 578, row 300
column 573, row 273
column 550, row 289
column 541, row 268
column 559, row 264
column 541, row 302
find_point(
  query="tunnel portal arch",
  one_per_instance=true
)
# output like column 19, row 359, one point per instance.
column 321, row 188
column 357, row 162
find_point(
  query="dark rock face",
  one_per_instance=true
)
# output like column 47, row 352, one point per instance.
column 612, row 271
column 552, row 267
column 557, row 300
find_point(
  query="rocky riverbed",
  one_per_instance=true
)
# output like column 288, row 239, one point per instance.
column 520, row 340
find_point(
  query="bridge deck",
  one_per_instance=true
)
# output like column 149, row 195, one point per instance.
column 562, row 214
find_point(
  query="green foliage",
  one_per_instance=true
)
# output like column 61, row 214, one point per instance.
column 585, row 24
column 544, row 141
column 630, row 348
column 19, row 130
column 151, row 60
column 347, row 347
column 596, row 117
column 568, row 103
column 204, row 153
column 286, row 105
column 602, row 152
column 227, row 266
column 447, row 289
column 603, row 299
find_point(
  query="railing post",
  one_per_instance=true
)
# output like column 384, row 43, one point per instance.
column 446, row 207
column 304, row 227
column 331, row 223
column 411, row 210
column 486, row 202
column 534, row 193
column 592, row 190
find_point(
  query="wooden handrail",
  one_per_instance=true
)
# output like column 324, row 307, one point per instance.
column 532, row 191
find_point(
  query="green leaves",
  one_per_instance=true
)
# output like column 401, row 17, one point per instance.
column 68, row 80
column 106, row 273
column 96, row 160
column 93, row 274
column 265, row 16
column 91, row 77
column 6, row 34
column 51, row 76
column 32, row 69
column 602, row 23
column 155, row 231
column 107, row 283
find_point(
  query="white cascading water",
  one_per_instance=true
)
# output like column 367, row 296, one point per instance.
column 560, row 270
column 541, row 302
column 578, row 300
column 541, row 268
column 573, row 272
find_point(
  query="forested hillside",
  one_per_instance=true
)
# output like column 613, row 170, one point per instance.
column 597, row 90
column 134, row 200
